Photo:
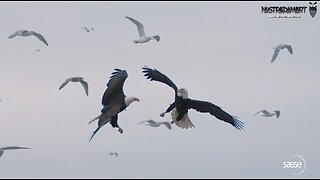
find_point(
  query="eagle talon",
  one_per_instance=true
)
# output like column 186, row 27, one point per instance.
column 120, row 130
column 162, row 114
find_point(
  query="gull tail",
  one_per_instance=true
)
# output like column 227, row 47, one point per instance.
column 184, row 123
column 157, row 38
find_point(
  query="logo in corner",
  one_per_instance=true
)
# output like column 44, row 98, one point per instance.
column 297, row 165
column 313, row 9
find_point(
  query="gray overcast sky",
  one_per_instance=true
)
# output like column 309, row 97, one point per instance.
column 219, row 51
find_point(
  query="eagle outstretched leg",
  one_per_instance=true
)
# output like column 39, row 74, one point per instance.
column 168, row 110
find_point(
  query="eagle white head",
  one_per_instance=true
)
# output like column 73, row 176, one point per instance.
column 129, row 100
column 183, row 93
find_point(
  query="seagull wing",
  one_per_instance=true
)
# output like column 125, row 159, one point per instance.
column 139, row 25
column 64, row 83
column 84, row 28
column 142, row 122
column 85, row 86
column 39, row 36
column 263, row 111
column 14, row 148
column 289, row 48
column 275, row 54
column 15, row 34
column 1, row 152
column 149, row 121
column 207, row 107
column 167, row 124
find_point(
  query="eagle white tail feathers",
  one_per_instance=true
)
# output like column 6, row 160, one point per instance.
column 184, row 123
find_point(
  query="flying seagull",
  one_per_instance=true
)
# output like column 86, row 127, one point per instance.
column 268, row 114
column 179, row 108
column 10, row 148
column 26, row 33
column 76, row 79
column 4, row 99
column 36, row 51
column 114, row 101
column 156, row 124
column 113, row 154
column 87, row 29
column 142, row 36
column 278, row 48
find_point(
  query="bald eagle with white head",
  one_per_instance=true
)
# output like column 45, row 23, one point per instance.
column 114, row 101
column 179, row 108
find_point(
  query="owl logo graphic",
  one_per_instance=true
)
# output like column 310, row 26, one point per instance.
column 312, row 9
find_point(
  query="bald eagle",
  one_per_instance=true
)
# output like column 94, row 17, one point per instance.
column 179, row 108
column 114, row 101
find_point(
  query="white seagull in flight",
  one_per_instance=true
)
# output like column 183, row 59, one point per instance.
column 36, row 51
column 87, row 29
column 76, row 79
column 156, row 124
column 278, row 48
column 11, row 148
column 26, row 33
column 142, row 36
column 268, row 114
column 113, row 154
column 4, row 99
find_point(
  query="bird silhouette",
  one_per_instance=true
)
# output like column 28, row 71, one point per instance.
column 113, row 154
column 26, row 33
column 142, row 35
column 87, row 29
column 11, row 148
column 278, row 48
column 156, row 124
column 269, row 114
column 76, row 79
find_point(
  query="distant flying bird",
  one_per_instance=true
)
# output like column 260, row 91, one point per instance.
column 76, row 79
column 36, row 51
column 10, row 148
column 114, row 101
column 278, row 48
column 179, row 108
column 87, row 29
column 4, row 99
column 113, row 154
column 156, row 124
column 268, row 114
column 142, row 36
column 26, row 33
